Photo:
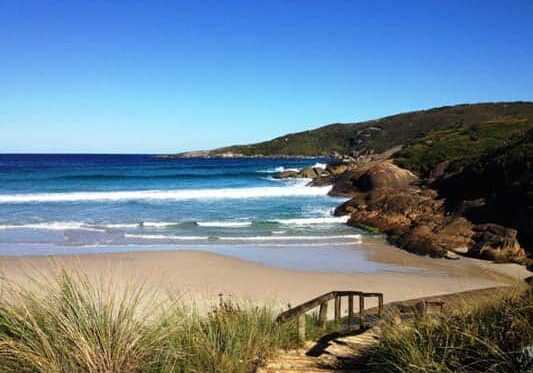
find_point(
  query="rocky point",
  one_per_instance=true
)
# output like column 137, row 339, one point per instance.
column 392, row 200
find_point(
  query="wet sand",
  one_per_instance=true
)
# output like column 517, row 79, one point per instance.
column 201, row 276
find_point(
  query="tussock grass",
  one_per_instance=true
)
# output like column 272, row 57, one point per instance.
column 72, row 324
column 475, row 335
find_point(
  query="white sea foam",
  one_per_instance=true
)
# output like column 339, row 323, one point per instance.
column 165, row 237
column 277, row 170
column 312, row 221
column 356, row 237
column 308, row 244
column 224, row 224
column 282, row 169
column 164, row 224
column 318, row 210
column 293, row 238
column 294, row 190
column 320, row 165
column 158, row 224
column 54, row 226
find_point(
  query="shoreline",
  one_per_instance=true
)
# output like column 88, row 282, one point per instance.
column 201, row 276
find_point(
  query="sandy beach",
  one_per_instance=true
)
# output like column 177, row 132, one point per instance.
column 201, row 276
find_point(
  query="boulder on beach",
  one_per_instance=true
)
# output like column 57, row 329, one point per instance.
column 497, row 243
column 305, row 173
column 375, row 175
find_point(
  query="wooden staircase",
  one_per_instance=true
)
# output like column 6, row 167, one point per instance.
column 343, row 351
column 339, row 354
column 322, row 301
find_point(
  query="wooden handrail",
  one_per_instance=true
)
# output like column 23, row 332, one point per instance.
column 322, row 301
column 315, row 302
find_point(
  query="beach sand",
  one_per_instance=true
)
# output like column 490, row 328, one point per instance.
column 201, row 276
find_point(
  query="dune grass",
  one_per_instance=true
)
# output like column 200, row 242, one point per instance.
column 73, row 324
column 493, row 334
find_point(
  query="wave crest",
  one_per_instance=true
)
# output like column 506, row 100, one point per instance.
column 53, row 226
column 278, row 170
column 297, row 190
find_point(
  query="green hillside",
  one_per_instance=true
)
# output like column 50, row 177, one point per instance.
column 465, row 142
column 385, row 133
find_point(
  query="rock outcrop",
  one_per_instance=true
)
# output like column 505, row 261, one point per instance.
column 497, row 243
column 306, row 173
column 372, row 176
column 391, row 199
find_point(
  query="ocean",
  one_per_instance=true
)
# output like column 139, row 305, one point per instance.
column 73, row 204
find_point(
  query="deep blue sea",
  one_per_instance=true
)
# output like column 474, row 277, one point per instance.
column 65, row 204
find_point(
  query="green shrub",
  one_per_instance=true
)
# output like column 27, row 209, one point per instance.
column 489, row 335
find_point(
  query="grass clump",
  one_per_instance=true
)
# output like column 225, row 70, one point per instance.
column 231, row 338
column 72, row 324
column 488, row 335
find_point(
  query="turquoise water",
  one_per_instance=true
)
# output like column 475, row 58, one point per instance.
column 62, row 204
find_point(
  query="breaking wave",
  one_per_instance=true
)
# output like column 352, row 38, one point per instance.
column 71, row 225
column 277, row 170
column 320, row 165
column 54, row 226
column 298, row 190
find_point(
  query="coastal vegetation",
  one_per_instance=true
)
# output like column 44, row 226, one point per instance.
column 463, row 144
column 73, row 324
column 491, row 334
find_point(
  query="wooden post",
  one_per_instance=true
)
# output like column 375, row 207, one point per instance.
column 350, row 310
column 337, row 310
column 323, row 314
column 380, row 305
column 362, row 312
column 420, row 309
column 301, row 327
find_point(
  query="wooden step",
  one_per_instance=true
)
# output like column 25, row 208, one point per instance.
column 332, row 354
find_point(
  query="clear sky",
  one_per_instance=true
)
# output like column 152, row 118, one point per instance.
column 166, row 76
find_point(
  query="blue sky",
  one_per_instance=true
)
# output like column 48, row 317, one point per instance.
column 165, row 76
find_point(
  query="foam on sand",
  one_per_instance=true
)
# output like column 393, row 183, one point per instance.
column 354, row 237
column 164, row 237
column 294, row 238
